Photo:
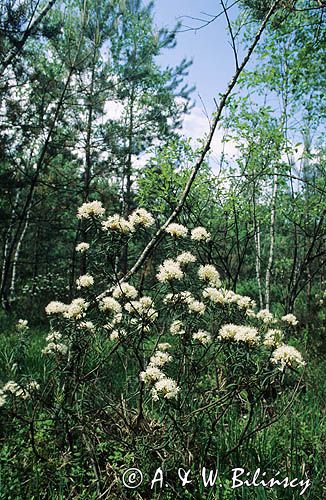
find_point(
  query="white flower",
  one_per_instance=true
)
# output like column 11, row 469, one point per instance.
column 82, row 247
column 76, row 309
column 247, row 335
column 88, row 325
column 114, row 335
column 15, row 389
column 169, row 270
column 53, row 348
column 151, row 374
column 176, row 230
column 176, row 328
column 185, row 297
column 199, row 234
column 33, row 386
column 164, row 346
column 196, row 306
column 117, row 318
column 2, row 399
column 146, row 302
column 167, row 387
column 272, row 338
column 160, row 358
column 117, row 223
column 126, row 290
column 214, row 295
column 143, row 308
column 53, row 336
column 186, row 258
column 22, row 324
column 239, row 333
column 141, row 217
column 245, row 302
column 209, row 273
column 202, row 336
column 291, row 319
column 286, row 355
column 265, row 316
column 250, row 313
column 89, row 209
column 230, row 297
column 109, row 304
column 85, row 281
column 55, row 307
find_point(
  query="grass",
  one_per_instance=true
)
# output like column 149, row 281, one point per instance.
column 293, row 445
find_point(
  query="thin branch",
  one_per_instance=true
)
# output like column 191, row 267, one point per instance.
column 159, row 234
column 234, row 48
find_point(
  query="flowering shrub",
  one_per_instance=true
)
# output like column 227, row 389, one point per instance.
column 160, row 365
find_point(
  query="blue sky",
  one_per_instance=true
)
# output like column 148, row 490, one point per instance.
column 213, row 62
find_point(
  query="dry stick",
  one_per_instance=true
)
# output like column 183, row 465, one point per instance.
column 158, row 235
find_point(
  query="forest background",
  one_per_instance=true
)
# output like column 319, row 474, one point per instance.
column 90, row 111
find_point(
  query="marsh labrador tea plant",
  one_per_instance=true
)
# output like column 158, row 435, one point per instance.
column 151, row 371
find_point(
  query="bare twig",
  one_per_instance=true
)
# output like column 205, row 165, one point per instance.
column 160, row 232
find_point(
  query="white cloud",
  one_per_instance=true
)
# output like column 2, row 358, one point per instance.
column 196, row 125
column 113, row 110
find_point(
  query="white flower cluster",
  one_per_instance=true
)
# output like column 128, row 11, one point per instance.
column 85, row 281
column 125, row 290
column 75, row 310
column 286, row 355
column 169, row 270
column 144, row 307
column 239, row 333
column 117, row 318
column 90, row 209
column 202, row 336
column 194, row 305
column 159, row 359
column 117, row 223
column 209, row 273
column 186, row 258
column 110, row 305
column 87, row 325
column 22, row 325
column 167, row 387
column 118, row 334
column 223, row 296
column 176, row 230
column 82, row 247
column 17, row 390
column 55, row 307
column 139, row 217
column 265, row 316
column 176, row 328
column 179, row 231
column 54, row 344
column 291, row 319
column 162, row 385
column 200, row 234
column 180, row 297
column 273, row 338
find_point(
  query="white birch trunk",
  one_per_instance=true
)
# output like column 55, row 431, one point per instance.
column 272, row 242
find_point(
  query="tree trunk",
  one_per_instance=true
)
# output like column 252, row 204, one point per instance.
column 272, row 241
